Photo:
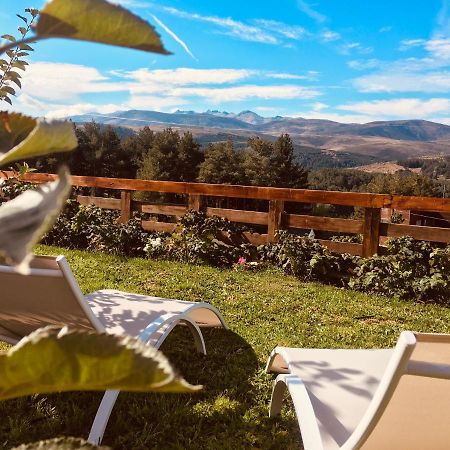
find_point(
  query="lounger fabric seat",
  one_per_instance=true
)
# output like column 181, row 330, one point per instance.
column 370, row 399
column 50, row 295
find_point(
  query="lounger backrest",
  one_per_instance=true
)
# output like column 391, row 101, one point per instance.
column 414, row 412
column 49, row 295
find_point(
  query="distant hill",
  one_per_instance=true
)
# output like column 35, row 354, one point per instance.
column 374, row 141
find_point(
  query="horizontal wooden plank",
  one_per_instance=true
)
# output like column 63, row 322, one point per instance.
column 101, row 202
column 255, row 238
column 432, row 234
column 343, row 247
column 168, row 210
column 153, row 225
column 368, row 200
column 237, row 215
column 324, row 223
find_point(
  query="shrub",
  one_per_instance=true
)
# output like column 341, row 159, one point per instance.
column 306, row 258
column 411, row 269
column 202, row 239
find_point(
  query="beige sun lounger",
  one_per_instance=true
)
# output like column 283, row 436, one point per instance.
column 50, row 295
column 368, row 399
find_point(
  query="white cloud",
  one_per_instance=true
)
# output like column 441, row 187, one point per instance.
column 330, row 36
column 439, row 48
column 310, row 75
column 398, row 81
column 311, row 12
column 385, row 29
column 185, row 76
column 345, row 49
column 155, row 103
column 59, row 82
column 363, row 64
column 130, row 3
column 406, row 44
column 61, row 111
column 405, row 108
column 55, row 89
column 318, row 106
column 232, row 27
column 294, row 32
column 335, row 117
column 245, row 92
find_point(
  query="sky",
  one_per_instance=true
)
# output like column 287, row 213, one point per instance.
column 343, row 60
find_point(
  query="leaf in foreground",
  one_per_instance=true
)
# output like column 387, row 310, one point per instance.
column 26, row 218
column 54, row 360
column 97, row 21
column 23, row 137
column 61, row 444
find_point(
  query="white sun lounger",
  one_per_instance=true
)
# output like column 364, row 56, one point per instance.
column 368, row 399
column 50, row 295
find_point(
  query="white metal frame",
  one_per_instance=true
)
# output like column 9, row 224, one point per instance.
column 399, row 364
column 167, row 322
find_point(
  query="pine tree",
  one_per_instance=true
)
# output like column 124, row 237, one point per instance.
column 222, row 164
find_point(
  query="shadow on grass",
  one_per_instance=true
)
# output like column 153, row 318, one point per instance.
column 230, row 412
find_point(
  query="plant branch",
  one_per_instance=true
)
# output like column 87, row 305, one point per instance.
column 12, row 45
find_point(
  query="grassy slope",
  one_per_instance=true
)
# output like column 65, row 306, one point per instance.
column 263, row 309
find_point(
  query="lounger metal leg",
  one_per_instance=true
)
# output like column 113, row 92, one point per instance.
column 102, row 417
column 303, row 408
column 110, row 397
column 276, row 401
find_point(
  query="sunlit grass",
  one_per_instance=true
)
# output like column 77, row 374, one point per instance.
column 263, row 309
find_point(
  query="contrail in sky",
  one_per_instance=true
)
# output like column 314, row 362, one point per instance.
column 169, row 31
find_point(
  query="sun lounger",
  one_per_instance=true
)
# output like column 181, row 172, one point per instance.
column 50, row 295
column 370, row 399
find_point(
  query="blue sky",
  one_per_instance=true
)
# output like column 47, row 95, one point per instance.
column 344, row 60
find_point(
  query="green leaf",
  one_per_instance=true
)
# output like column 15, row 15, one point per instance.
column 56, row 360
column 8, row 37
column 3, row 62
column 67, row 443
column 27, row 217
column 25, row 47
column 23, row 31
column 33, row 11
column 97, row 21
column 20, row 64
column 16, row 81
column 22, row 17
column 10, row 75
column 7, row 99
column 29, row 137
column 7, row 89
column 21, row 54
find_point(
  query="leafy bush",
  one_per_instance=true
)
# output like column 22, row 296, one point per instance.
column 411, row 269
column 96, row 229
column 199, row 238
column 308, row 259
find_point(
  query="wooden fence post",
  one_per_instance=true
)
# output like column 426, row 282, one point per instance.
column 125, row 206
column 276, row 209
column 195, row 202
column 371, row 231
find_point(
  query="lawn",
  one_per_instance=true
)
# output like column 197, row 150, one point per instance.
column 263, row 309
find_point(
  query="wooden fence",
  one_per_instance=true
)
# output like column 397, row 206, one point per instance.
column 370, row 226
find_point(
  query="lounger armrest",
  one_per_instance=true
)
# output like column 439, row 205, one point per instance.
column 303, row 408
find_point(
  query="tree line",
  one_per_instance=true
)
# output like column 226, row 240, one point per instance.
column 170, row 155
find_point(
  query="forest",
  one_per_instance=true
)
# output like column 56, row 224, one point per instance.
column 178, row 156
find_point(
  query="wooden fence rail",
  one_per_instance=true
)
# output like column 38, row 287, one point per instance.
column 371, row 226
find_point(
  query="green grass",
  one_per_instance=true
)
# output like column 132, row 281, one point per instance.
column 263, row 309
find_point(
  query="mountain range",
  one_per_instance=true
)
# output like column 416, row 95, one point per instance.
column 381, row 140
